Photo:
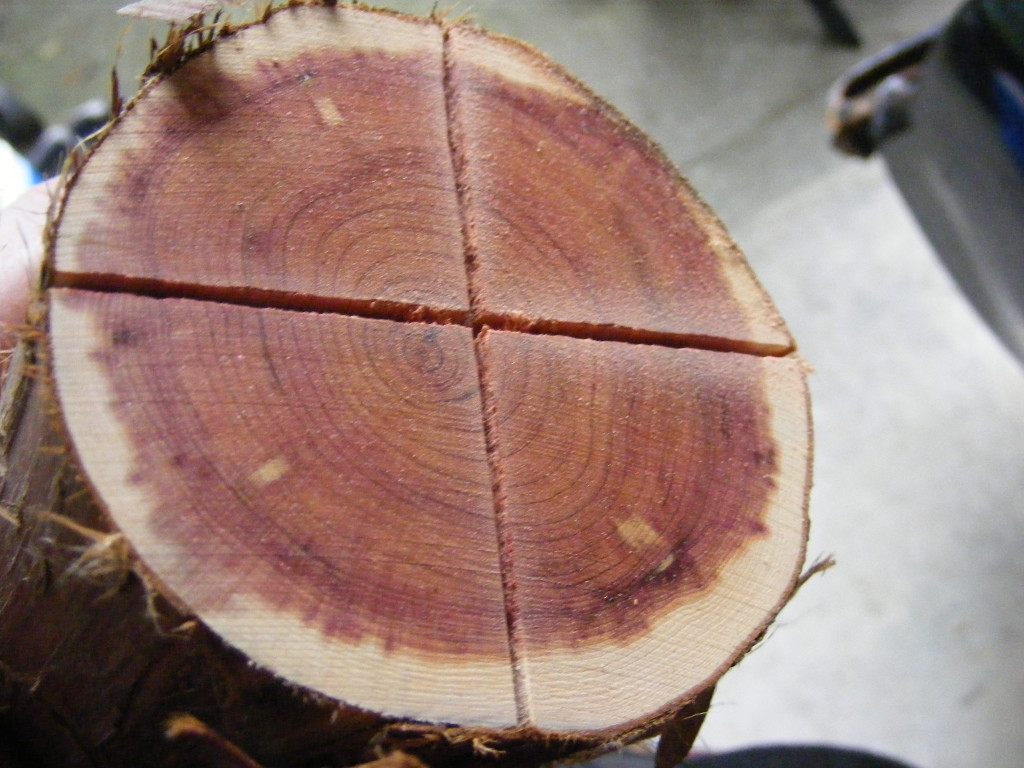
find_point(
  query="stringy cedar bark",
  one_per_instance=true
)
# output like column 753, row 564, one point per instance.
column 502, row 340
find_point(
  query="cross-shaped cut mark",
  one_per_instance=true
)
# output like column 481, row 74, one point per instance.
column 417, row 378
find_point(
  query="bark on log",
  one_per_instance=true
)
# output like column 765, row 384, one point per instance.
column 393, row 399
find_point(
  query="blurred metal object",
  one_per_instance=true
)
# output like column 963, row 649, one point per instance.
column 838, row 27
column 946, row 111
column 19, row 125
column 53, row 146
column 861, row 102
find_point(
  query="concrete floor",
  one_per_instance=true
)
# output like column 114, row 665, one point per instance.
column 914, row 645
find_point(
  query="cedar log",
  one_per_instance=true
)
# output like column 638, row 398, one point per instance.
column 392, row 399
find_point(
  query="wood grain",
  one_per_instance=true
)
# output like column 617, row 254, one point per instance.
column 577, row 223
column 315, row 487
column 648, row 496
column 417, row 374
column 282, row 159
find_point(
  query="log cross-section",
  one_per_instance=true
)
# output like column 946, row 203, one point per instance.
column 417, row 374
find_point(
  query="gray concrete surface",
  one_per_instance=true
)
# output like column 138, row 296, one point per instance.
column 914, row 645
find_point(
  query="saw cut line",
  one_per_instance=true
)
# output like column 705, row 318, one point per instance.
column 506, row 558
